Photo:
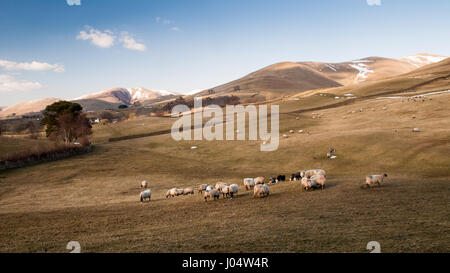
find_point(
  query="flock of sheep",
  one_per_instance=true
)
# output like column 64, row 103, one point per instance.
column 310, row 179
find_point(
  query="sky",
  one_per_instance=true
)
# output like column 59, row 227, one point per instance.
column 68, row 48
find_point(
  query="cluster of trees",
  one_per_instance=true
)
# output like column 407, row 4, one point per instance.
column 65, row 121
column 19, row 126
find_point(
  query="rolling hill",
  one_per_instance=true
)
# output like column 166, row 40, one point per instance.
column 27, row 107
column 108, row 99
column 128, row 96
column 286, row 78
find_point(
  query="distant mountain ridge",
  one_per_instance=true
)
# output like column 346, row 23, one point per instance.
column 107, row 99
column 128, row 96
column 291, row 77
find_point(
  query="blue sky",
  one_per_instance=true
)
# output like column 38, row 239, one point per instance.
column 183, row 45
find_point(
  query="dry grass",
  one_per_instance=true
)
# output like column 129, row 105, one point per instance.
column 93, row 198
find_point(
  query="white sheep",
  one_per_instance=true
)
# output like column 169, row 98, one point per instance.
column 319, row 180
column 219, row 186
column 172, row 193
column 225, row 191
column 213, row 194
column 188, row 191
column 259, row 180
column 249, row 183
column 144, row 184
column 310, row 173
column 307, row 183
column 261, row 190
column 202, row 188
column 147, row 194
column 375, row 179
column 180, row 192
column 234, row 189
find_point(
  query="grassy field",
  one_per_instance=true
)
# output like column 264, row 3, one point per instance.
column 93, row 198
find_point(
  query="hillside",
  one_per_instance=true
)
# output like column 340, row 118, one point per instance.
column 128, row 96
column 27, row 107
column 276, row 80
column 281, row 79
column 370, row 136
column 108, row 99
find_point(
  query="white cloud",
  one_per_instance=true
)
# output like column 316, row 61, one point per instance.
column 73, row 2
column 163, row 21
column 175, row 28
column 101, row 39
column 373, row 2
column 33, row 66
column 9, row 83
column 129, row 42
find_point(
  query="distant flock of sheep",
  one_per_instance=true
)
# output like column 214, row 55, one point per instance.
column 310, row 179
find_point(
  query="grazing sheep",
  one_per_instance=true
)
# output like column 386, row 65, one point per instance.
column 180, row 192
column 308, row 183
column 210, row 188
column 259, row 180
column 310, row 173
column 272, row 180
column 281, row 177
column 188, row 191
column 296, row 176
column 225, row 191
column 375, row 179
column 234, row 189
column 147, row 194
column 213, row 194
column 249, row 183
column 202, row 188
column 261, row 190
column 171, row 193
column 144, row 184
column 219, row 186
column 319, row 180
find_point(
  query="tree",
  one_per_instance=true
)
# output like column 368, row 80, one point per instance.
column 65, row 120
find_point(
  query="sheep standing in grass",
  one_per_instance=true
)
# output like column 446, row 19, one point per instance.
column 249, row 183
column 234, row 189
column 225, row 191
column 147, row 194
column 144, row 184
column 308, row 184
column 171, row 193
column 213, row 194
column 188, row 191
column 219, row 186
column 319, row 180
column 202, row 188
column 259, row 180
column 179, row 192
column 261, row 190
column 310, row 173
column 296, row 176
column 375, row 179
column 210, row 188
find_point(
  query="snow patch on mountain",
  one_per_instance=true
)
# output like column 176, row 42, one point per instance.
column 362, row 69
column 419, row 60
